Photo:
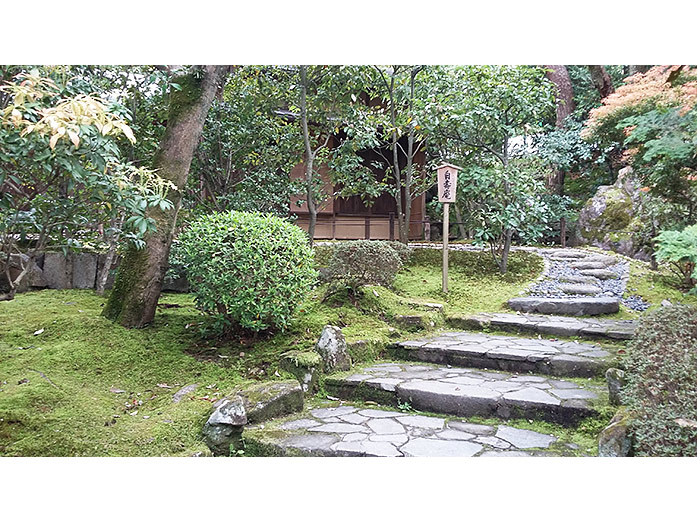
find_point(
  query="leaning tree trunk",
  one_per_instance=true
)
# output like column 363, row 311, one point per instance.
column 601, row 80
column 139, row 279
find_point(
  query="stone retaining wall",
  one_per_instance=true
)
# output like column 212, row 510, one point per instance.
column 54, row 270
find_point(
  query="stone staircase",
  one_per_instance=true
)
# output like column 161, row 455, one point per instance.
column 576, row 282
column 452, row 377
column 449, row 378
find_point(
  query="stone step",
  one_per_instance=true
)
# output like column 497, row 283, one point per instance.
column 577, row 288
column 566, row 306
column 467, row 392
column 587, row 265
column 508, row 353
column 572, row 278
column 555, row 325
column 348, row 430
column 601, row 274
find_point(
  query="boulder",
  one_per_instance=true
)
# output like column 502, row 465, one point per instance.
column 32, row 279
column 305, row 366
column 615, row 440
column 225, row 425
column 332, row 348
column 612, row 218
column 615, row 382
column 251, row 405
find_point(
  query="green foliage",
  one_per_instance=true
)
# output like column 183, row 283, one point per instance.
column 666, row 162
column 363, row 262
column 661, row 393
column 248, row 271
column 679, row 248
column 63, row 180
column 500, row 202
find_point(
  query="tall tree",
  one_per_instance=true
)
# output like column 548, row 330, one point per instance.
column 559, row 76
column 139, row 279
column 487, row 122
column 601, row 80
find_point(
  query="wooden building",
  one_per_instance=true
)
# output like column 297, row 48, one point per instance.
column 350, row 219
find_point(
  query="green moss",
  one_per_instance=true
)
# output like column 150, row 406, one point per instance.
column 126, row 281
column 475, row 283
column 305, row 359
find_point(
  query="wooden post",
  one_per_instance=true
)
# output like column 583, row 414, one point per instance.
column 446, row 228
column 391, row 226
column 562, row 231
column 427, row 229
column 447, row 187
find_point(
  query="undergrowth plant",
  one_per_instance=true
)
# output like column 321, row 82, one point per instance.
column 661, row 393
column 679, row 248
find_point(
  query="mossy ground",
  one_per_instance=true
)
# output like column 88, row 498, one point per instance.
column 88, row 357
column 654, row 287
column 474, row 283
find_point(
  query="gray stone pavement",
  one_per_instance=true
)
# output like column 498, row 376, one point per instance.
column 352, row 431
column 509, row 353
column 468, row 392
column 545, row 324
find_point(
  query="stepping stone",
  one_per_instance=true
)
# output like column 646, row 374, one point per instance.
column 555, row 325
column 567, row 254
column 585, row 265
column 579, row 289
column 537, row 397
column 415, row 438
column 506, row 353
column 566, row 306
column 601, row 274
column 578, row 279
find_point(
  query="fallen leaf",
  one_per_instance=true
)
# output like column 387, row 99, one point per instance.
column 682, row 422
column 116, row 391
column 36, row 333
column 164, row 386
column 133, row 413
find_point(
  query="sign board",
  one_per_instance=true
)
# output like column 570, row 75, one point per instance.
column 447, row 183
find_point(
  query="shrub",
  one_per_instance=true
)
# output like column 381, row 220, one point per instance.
column 661, row 391
column 679, row 248
column 362, row 262
column 248, row 270
column 402, row 250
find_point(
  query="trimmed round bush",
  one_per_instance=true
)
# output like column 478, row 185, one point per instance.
column 248, row 270
column 363, row 262
column 661, row 388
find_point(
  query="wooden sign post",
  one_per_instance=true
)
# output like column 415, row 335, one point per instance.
column 447, row 185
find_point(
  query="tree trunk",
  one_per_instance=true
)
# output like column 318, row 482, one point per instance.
column 139, row 279
column 460, row 223
column 601, row 80
column 309, row 156
column 634, row 69
column 559, row 76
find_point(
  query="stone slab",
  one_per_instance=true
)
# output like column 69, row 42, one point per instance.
column 566, row 306
column 495, row 394
column 415, row 438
